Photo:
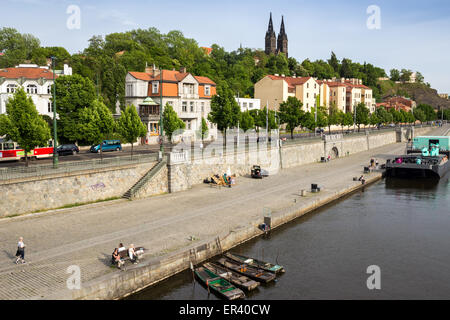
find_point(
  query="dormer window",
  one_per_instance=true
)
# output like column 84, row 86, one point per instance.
column 207, row 90
column 32, row 89
column 155, row 87
column 11, row 88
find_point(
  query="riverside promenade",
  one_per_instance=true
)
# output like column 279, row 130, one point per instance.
column 86, row 236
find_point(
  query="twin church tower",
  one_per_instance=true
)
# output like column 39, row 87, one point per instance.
column 272, row 44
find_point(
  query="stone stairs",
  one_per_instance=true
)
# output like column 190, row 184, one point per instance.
column 145, row 178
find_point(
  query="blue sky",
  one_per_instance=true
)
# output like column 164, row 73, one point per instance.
column 413, row 35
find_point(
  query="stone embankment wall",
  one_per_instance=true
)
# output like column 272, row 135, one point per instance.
column 182, row 172
column 38, row 193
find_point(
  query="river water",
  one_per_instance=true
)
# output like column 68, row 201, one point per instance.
column 401, row 226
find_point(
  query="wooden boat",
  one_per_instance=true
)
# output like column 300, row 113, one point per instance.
column 267, row 266
column 218, row 285
column 235, row 278
column 253, row 273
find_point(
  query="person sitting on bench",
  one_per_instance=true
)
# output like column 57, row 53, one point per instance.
column 132, row 254
column 116, row 258
column 121, row 247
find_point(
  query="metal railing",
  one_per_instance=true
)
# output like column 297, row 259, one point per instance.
column 11, row 173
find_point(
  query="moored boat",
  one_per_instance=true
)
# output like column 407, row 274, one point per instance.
column 257, row 274
column 427, row 157
column 267, row 266
column 218, row 285
column 235, row 278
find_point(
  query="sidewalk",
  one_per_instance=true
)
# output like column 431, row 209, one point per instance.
column 86, row 236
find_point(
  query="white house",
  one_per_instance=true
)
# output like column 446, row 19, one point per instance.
column 37, row 82
column 247, row 104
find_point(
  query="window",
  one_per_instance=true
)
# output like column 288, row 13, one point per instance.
column 155, row 87
column 207, row 90
column 170, row 103
column 49, row 107
column 31, row 88
column 129, row 90
column 245, row 105
column 49, row 89
column 203, row 107
column 250, row 105
column 184, row 106
column 314, row 95
column 11, row 88
column 188, row 124
column 314, row 85
column 192, row 106
column 188, row 88
column 307, row 95
column 307, row 85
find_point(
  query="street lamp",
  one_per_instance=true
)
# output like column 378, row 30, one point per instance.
column 55, row 143
column 161, row 110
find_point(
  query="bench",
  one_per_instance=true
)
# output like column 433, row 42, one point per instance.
column 125, row 257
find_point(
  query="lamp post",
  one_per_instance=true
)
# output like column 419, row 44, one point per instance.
column 161, row 110
column 55, row 142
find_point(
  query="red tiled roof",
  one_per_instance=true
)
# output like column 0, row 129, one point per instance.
column 170, row 76
column 204, row 80
column 27, row 73
column 140, row 75
column 290, row 80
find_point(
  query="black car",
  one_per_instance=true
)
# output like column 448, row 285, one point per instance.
column 67, row 149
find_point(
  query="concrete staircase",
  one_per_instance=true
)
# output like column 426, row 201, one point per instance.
column 145, row 178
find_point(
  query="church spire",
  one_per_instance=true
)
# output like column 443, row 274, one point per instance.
column 282, row 31
column 282, row 42
column 271, row 38
column 270, row 29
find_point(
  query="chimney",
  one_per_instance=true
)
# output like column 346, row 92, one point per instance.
column 183, row 70
column 148, row 70
column 342, row 80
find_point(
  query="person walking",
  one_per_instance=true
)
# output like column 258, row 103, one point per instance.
column 20, row 254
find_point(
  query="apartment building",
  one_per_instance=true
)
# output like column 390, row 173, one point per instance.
column 275, row 89
column 37, row 82
column 189, row 95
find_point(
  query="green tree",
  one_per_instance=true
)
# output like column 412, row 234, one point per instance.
column 23, row 124
column 362, row 115
column 420, row 115
column 291, row 114
column 95, row 123
column 405, row 75
column 429, row 111
column 130, row 126
column 225, row 111
column 73, row 93
column 395, row 75
column 247, row 122
column 334, row 116
column 347, row 120
column 171, row 122
column 373, row 119
column 203, row 131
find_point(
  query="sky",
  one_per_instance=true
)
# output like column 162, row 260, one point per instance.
column 405, row 34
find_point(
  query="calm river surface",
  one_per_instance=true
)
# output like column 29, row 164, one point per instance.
column 401, row 226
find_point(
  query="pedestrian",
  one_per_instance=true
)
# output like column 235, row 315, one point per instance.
column 20, row 254
column 376, row 163
column 132, row 254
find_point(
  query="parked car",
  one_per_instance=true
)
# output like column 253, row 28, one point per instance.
column 67, row 149
column 107, row 145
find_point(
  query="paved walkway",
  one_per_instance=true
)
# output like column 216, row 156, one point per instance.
column 85, row 236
